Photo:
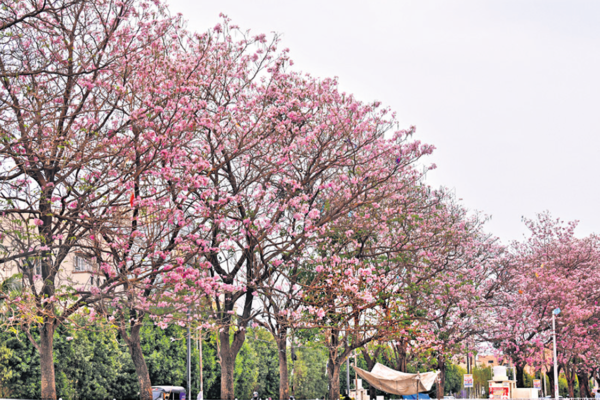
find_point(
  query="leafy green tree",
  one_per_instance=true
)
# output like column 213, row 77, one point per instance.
column 528, row 380
column 454, row 378
column 5, row 373
column 24, row 381
column 245, row 372
column 265, row 349
column 481, row 376
column 310, row 377
column 93, row 363
column 89, row 364
column 165, row 352
column 563, row 386
column 211, row 368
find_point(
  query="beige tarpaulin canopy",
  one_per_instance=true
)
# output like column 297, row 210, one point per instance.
column 395, row 382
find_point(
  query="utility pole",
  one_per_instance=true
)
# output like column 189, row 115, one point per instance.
column 555, row 312
column 355, row 376
column 294, row 364
column 347, row 371
column 189, row 359
column 468, row 372
column 348, row 374
column 200, row 364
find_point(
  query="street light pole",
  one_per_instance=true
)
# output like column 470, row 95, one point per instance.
column 189, row 358
column 348, row 370
column 200, row 365
column 348, row 374
column 355, row 375
column 555, row 312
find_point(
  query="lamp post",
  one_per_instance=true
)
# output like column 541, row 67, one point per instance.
column 348, row 369
column 348, row 373
column 355, row 376
column 555, row 312
column 189, row 358
column 201, row 388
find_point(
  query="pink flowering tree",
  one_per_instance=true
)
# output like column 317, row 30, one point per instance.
column 72, row 144
column 147, row 247
column 280, row 298
column 468, row 264
column 163, row 245
column 286, row 152
column 377, row 274
column 332, row 160
column 551, row 269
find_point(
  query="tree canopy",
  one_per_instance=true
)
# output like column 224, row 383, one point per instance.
column 208, row 185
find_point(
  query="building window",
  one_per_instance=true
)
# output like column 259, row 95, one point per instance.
column 491, row 362
column 34, row 264
column 82, row 263
column 37, row 267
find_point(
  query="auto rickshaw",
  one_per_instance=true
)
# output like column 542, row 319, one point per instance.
column 168, row 393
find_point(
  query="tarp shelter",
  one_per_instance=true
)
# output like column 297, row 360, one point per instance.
column 422, row 396
column 396, row 382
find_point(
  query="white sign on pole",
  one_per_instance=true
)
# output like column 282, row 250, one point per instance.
column 467, row 381
column 537, row 384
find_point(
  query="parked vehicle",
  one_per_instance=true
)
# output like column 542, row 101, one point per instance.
column 168, row 393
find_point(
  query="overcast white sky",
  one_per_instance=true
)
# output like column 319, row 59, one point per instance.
column 508, row 91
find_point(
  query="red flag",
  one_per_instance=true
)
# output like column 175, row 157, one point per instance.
column 131, row 199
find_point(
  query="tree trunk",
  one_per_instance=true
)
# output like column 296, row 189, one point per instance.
column 570, row 375
column 442, row 377
column 520, row 375
column 284, row 386
column 550, row 376
column 227, row 353
column 333, row 375
column 584, row 384
column 401, row 355
column 141, row 369
column 571, row 386
column 46, row 348
column 227, row 367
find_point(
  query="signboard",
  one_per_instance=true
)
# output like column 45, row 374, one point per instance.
column 467, row 380
column 598, row 395
column 537, row 384
column 499, row 392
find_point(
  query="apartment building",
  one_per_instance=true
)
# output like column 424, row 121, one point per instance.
column 76, row 270
column 490, row 360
